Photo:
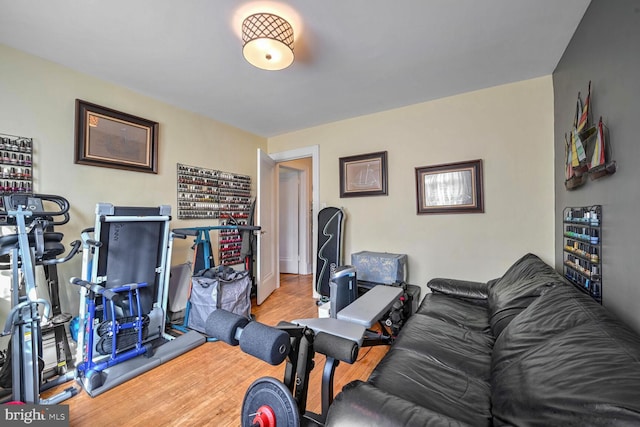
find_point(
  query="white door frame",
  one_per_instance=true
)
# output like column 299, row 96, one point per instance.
column 312, row 151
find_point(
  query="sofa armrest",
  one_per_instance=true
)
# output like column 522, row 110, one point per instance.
column 459, row 288
column 361, row 404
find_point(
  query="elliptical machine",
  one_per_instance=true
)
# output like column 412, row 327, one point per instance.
column 34, row 243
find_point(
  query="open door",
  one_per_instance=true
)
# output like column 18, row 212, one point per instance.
column 267, row 268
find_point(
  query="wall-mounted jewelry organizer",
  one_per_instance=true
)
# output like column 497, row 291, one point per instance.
column 213, row 194
column 16, row 164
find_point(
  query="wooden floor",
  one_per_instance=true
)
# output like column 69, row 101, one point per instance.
column 206, row 386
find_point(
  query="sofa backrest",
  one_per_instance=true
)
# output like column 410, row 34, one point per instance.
column 523, row 282
column 566, row 360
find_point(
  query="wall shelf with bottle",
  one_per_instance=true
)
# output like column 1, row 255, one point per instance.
column 582, row 251
column 16, row 164
column 218, row 195
column 230, row 245
column 212, row 194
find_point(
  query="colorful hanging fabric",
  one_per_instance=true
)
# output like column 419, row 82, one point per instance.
column 568, row 156
column 584, row 113
column 598, row 157
column 578, row 154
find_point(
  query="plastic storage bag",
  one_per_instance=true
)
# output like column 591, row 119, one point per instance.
column 218, row 287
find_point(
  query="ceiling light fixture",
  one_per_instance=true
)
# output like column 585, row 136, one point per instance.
column 268, row 41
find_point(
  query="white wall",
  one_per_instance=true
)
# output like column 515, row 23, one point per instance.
column 37, row 99
column 509, row 127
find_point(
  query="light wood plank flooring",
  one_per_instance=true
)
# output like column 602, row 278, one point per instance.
column 206, row 386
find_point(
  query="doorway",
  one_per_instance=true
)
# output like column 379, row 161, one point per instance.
column 312, row 154
column 294, row 212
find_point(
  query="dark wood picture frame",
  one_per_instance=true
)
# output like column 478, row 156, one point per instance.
column 450, row 188
column 363, row 175
column 113, row 139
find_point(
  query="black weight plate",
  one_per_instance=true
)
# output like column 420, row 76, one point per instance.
column 268, row 391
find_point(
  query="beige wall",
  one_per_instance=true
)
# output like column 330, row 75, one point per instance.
column 37, row 99
column 509, row 127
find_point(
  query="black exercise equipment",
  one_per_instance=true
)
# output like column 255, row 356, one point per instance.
column 352, row 315
column 343, row 287
column 124, row 294
column 259, row 340
column 268, row 401
column 35, row 244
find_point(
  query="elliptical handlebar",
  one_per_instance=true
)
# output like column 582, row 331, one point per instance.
column 75, row 247
column 30, row 211
column 61, row 202
column 15, row 311
column 33, row 203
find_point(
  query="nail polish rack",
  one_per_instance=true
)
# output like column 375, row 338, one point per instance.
column 582, row 249
column 16, row 164
column 213, row 194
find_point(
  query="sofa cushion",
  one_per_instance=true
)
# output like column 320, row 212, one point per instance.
column 566, row 361
column 455, row 311
column 458, row 348
column 434, row 386
column 361, row 404
column 543, row 320
column 523, row 282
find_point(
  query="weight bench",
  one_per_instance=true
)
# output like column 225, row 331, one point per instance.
column 270, row 402
column 353, row 321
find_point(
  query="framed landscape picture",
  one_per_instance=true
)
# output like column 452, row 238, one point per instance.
column 450, row 188
column 113, row 139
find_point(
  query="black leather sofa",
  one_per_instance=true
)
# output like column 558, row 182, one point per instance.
column 527, row 349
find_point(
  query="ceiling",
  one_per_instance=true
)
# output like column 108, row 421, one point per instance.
column 352, row 57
